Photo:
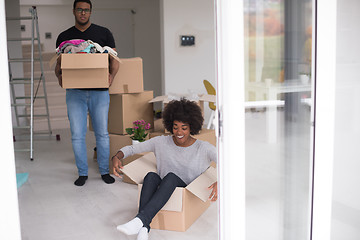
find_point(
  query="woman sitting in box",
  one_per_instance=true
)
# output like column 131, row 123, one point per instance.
column 180, row 159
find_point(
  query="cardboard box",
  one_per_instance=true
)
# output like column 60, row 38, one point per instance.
column 129, row 78
column 85, row 70
column 126, row 108
column 158, row 125
column 117, row 142
column 92, row 71
column 207, row 135
column 185, row 205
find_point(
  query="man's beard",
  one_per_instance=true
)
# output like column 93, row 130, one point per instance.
column 83, row 24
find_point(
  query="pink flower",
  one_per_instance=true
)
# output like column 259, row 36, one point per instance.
column 138, row 130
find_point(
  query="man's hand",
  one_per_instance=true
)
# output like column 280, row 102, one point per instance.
column 113, row 68
column 60, row 80
column 213, row 195
column 111, row 79
column 117, row 164
column 58, row 72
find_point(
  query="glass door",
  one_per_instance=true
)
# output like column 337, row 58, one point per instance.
column 278, row 92
column 274, row 150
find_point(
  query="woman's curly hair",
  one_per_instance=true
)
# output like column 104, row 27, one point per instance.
column 183, row 111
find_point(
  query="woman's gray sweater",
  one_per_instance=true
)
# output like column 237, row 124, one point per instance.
column 186, row 162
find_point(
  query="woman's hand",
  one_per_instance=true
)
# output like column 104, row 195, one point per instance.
column 213, row 195
column 117, row 164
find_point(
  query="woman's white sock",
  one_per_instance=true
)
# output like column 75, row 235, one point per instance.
column 143, row 234
column 132, row 227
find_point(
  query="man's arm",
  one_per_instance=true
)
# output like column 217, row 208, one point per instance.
column 58, row 71
column 113, row 69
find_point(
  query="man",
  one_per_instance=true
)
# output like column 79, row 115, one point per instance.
column 95, row 101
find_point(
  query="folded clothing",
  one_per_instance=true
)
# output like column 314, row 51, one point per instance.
column 79, row 45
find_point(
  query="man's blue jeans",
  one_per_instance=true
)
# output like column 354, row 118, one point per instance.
column 155, row 193
column 79, row 103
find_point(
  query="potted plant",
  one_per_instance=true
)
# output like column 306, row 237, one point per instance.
column 138, row 131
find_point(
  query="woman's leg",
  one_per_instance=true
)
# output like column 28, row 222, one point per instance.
column 159, row 198
column 154, row 195
column 150, row 185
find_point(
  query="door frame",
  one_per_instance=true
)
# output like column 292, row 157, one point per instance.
column 324, row 64
column 9, row 217
column 231, row 130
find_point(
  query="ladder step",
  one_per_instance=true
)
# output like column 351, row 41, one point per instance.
column 20, row 104
column 18, row 18
column 35, row 115
column 21, row 127
column 21, row 39
column 20, row 82
column 23, row 81
column 22, row 149
column 23, row 59
column 30, row 97
column 36, row 136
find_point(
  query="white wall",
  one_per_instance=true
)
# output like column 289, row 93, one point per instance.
column 185, row 68
column 56, row 16
column 346, row 193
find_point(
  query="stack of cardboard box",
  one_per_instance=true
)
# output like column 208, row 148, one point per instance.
column 128, row 103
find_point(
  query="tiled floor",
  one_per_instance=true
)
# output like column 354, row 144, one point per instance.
column 53, row 208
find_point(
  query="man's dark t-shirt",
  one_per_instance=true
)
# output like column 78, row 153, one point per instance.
column 95, row 33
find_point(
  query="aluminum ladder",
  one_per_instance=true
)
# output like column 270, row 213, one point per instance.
column 21, row 131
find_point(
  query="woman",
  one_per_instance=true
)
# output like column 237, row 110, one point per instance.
column 180, row 159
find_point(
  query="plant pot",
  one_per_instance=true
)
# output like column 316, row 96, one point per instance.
column 135, row 142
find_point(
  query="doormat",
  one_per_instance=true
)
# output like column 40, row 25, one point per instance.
column 21, row 178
